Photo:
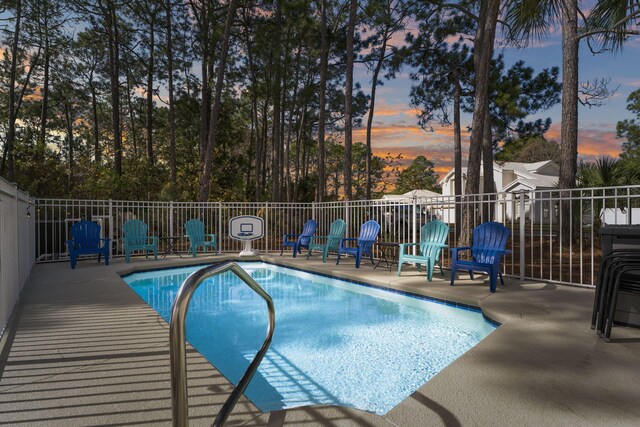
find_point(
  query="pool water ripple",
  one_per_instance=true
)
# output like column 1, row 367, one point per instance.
column 335, row 342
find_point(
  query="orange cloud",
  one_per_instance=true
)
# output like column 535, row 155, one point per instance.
column 595, row 140
column 411, row 141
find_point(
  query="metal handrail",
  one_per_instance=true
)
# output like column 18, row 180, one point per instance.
column 179, row 404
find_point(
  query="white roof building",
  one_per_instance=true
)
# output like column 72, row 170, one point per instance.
column 511, row 177
column 421, row 196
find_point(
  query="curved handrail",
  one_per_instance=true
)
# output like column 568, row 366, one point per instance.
column 179, row 405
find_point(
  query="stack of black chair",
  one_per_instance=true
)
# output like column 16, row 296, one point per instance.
column 619, row 272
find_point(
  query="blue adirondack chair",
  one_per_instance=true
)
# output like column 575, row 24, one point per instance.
column 85, row 240
column 433, row 237
column 328, row 243
column 136, row 238
column 489, row 241
column 195, row 232
column 299, row 241
column 364, row 243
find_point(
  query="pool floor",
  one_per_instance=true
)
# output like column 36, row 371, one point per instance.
column 335, row 342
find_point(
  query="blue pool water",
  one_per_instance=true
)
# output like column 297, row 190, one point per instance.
column 335, row 342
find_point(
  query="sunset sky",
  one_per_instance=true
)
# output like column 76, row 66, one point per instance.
column 395, row 129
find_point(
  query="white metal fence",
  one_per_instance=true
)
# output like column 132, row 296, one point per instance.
column 17, row 246
column 554, row 233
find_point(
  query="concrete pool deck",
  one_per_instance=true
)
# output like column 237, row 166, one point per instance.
column 84, row 349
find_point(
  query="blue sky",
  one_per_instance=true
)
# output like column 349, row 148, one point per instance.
column 396, row 131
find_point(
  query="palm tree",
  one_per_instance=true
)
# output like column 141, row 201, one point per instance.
column 609, row 23
column 605, row 172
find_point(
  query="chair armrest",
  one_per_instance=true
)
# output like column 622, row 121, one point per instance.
column 402, row 246
column 313, row 239
column 154, row 239
column 106, row 241
column 344, row 240
column 454, row 251
column 290, row 238
column 70, row 245
column 439, row 245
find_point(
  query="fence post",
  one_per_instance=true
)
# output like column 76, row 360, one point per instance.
column 219, row 227
column 170, row 218
column 111, row 228
column 414, row 224
column 266, row 226
column 16, row 232
column 347, row 217
column 522, row 231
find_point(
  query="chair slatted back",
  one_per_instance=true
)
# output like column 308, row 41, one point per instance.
column 336, row 232
column 86, row 235
column 194, row 228
column 308, row 230
column 433, row 234
column 488, row 239
column 368, row 234
column 135, row 231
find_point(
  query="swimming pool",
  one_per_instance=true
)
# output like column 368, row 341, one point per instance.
column 335, row 342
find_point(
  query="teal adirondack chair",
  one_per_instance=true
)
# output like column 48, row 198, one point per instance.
column 195, row 232
column 433, row 236
column 328, row 243
column 136, row 238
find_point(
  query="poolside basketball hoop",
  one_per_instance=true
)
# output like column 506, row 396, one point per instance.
column 246, row 229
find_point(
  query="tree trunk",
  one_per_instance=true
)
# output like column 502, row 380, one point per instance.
column 457, row 149
column 374, row 86
column 150, row 92
column 172, row 119
column 96, row 131
column 217, row 104
column 348, row 103
column 45, row 89
column 8, row 155
column 263, row 157
column 483, row 49
column 294, row 101
column 488, row 187
column 70, row 152
column 320, row 183
column 114, row 78
column 205, row 92
column 296, row 186
column 276, row 140
column 569, row 123
column 254, row 118
column 134, row 137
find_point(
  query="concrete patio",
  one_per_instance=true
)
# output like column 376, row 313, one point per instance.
column 84, row 349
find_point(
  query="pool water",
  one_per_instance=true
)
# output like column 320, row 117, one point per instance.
column 335, row 342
